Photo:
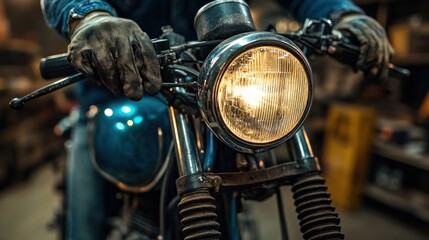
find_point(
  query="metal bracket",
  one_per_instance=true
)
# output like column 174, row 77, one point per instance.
column 280, row 174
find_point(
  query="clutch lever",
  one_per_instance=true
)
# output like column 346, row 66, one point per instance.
column 54, row 66
column 18, row 103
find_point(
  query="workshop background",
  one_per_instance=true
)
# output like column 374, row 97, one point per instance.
column 372, row 138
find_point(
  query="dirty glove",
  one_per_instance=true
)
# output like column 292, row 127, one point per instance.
column 115, row 52
column 375, row 49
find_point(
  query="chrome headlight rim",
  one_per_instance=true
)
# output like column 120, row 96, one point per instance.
column 214, row 67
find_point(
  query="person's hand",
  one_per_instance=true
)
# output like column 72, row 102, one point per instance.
column 115, row 52
column 375, row 49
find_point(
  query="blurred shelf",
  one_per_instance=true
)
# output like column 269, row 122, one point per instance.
column 18, row 52
column 412, row 59
column 396, row 153
column 405, row 204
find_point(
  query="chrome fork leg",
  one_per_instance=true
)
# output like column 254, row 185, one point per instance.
column 300, row 149
column 187, row 155
column 197, row 207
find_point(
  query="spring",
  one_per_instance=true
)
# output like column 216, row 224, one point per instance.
column 199, row 217
column 316, row 215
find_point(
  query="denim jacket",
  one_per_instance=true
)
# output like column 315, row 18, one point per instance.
column 151, row 15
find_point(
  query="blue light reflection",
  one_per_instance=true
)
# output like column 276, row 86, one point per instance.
column 125, row 109
column 138, row 119
column 120, row 126
column 108, row 112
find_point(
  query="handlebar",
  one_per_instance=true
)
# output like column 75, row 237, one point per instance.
column 346, row 51
column 56, row 66
column 319, row 38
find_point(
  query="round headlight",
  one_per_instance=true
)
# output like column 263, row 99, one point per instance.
column 256, row 90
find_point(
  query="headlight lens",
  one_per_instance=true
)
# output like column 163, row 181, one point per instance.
column 262, row 94
column 255, row 90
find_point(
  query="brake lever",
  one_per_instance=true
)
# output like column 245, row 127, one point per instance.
column 341, row 42
column 18, row 103
column 319, row 36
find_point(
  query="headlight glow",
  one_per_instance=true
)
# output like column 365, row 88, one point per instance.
column 255, row 90
column 262, row 94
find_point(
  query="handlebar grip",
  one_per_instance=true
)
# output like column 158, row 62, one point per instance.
column 56, row 66
column 347, row 51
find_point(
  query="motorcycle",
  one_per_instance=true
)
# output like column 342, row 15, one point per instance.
column 227, row 100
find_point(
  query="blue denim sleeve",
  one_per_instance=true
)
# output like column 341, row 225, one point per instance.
column 303, row 9
column 58, row 12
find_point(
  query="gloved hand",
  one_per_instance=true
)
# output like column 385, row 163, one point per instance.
column 375, row 49
column 115, row 52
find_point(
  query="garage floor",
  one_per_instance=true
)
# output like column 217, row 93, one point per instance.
column 27, row 208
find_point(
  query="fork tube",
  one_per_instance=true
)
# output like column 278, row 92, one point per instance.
column 197, row 208
column 186, row 149
column 299, row 147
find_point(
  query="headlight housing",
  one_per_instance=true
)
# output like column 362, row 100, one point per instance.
column 255, row 90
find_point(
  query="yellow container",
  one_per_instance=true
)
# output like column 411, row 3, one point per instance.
column 410, row 40
column 346, row 152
